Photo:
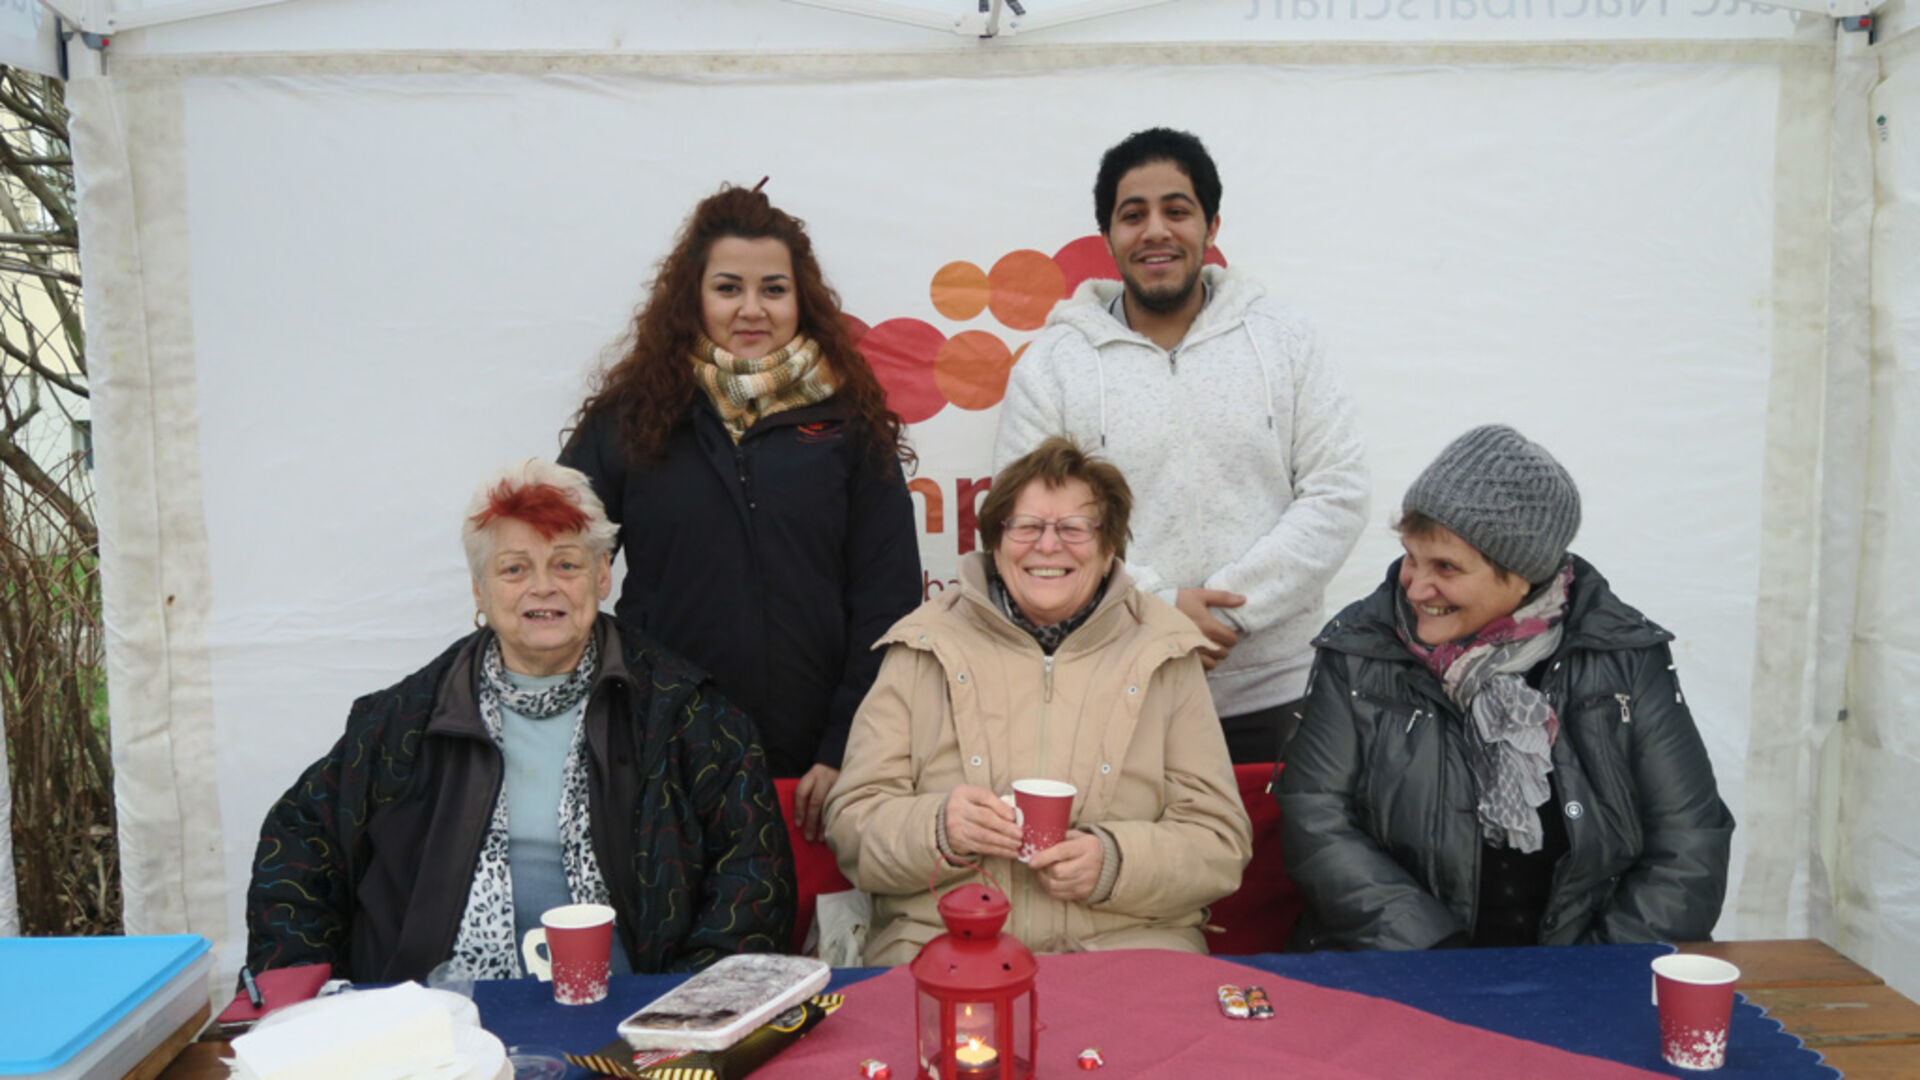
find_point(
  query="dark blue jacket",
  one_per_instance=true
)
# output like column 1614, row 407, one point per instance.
column 1377, row 800
column 774, row 564
column 366, row 862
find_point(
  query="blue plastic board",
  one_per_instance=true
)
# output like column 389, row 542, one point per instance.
column 57, row 995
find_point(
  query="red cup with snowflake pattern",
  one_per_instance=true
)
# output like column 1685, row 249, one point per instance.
column 578, row 942
column 1046, row 808
column 1695, row 996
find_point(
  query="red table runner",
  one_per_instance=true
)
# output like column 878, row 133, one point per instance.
column 1154, row 1014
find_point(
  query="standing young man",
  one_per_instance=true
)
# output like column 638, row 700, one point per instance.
column 1235, row 434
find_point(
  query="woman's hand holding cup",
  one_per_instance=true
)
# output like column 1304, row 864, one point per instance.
column 1070, row 869
column 978, row 823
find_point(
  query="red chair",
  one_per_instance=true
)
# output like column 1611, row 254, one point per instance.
column 1258, row 918
column 814, row 868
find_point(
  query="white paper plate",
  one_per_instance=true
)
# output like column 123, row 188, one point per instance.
column 481, row 1053
column 463, row 1011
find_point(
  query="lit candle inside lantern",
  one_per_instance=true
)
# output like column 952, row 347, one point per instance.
column 975, row 1056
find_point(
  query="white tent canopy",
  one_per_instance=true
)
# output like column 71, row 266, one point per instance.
column 342, row 258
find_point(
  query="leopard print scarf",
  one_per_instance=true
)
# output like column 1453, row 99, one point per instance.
column 485, row 944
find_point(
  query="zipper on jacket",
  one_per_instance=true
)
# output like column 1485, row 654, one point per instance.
column 1039, row 769
column 746, row 488
column 1412, row 720
column 1626, row 712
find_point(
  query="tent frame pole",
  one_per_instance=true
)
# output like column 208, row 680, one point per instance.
column 99, row 16
column 986, row 22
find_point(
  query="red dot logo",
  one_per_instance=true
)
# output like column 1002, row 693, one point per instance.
column 923, row 370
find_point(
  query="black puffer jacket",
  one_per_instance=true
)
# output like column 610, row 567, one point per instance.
column 774, row 564
column 366, row 862
column 1378, row 802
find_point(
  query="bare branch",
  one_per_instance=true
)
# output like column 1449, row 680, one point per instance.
column 66, row 276
column 56, row 205
column 15, row 423
column 39, row 239
column 75, row 515
column 18, row 105
column 33, row 364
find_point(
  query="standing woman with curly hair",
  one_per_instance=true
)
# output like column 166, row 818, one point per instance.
column 747, row 453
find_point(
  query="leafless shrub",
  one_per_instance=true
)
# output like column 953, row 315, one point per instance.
column 52, row 682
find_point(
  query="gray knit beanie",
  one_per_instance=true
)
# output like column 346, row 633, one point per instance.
column 1504, row 495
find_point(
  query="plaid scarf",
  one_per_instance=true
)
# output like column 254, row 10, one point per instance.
column 743, row 391
column 1512, row 728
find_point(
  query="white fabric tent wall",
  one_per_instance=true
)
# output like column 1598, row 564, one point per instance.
column 1869, row 803
column 327, row 292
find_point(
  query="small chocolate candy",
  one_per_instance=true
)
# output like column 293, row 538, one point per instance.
column 1233, row 1003
column 1257, row 1003
column 875, row 1069
column 1090, row 1058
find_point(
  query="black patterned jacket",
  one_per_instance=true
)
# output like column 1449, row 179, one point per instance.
column 365, row 863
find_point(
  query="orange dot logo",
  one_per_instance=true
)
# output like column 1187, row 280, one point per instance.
column 959, row 291
column 924, row 371
column 971, row 369
column 1023, row 287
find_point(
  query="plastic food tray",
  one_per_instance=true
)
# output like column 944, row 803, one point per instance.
column 78, row 1008
column 718, row 1007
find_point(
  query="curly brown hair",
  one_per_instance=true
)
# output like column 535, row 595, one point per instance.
column 650, row 386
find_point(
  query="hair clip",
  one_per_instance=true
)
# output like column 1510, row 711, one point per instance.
column 761, row 184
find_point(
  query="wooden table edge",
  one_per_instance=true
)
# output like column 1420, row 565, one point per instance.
column 162, row 1056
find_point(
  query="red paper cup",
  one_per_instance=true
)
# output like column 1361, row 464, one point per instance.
column 1045, row 808
column 579, row 938
column 1695, row 996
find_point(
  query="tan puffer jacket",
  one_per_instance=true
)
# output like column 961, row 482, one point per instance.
column 1121, row 711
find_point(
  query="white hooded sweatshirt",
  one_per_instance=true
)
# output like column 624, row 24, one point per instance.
column 1240, row 447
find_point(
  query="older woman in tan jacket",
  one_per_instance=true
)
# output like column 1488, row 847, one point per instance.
column 1046, row 663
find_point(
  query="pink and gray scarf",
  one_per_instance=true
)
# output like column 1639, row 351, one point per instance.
column 1512, row 726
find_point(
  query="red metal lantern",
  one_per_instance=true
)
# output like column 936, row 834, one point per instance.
column 974, row 1001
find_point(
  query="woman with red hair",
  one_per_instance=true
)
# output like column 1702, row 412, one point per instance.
column 746, row 452
column 551, row 757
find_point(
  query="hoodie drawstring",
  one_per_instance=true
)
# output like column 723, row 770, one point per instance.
column 1266, row 380
column 1100, row 369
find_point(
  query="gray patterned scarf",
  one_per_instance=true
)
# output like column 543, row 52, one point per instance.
column 1512, row 728
column 485, row 943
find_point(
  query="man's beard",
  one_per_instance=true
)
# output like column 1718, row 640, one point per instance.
column 1167, row 300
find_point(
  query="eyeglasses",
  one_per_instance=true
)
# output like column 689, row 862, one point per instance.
column 1070, row 530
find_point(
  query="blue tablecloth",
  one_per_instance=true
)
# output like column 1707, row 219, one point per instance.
column 1593, row 999
column 1589, row 1000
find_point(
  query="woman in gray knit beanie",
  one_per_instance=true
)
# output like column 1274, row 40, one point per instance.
column 1496, row 673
